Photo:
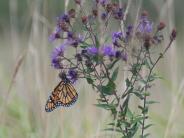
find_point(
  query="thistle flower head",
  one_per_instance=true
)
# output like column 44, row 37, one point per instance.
column 117, row 35
column 108, row 50
column 118, row 54
column 71, row 13
column 145, row 26
column 129, row 30
column 84, row 19
column 118, row 13
column 104, row 15
column 62, row 25
column 56, row 56
column 173, row 34
column 74, row 40
column 65, row 18
column 161, row 26
column 78, row 2
column 72, row 75
column 55, row 35
column 78, row 57
column 70, row 35
column 116, row 43
column 92, row 50
column 103, row 2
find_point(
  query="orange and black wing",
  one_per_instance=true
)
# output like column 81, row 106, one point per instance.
column 63, row 95
column 68, row 96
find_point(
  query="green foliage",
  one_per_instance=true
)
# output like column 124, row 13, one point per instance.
column 115, row 74
column 111, row 65
column 89, row 80
column 126, row 122
column 107, row 89
column 106, row 106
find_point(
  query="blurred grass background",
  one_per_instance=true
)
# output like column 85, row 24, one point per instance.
column 26, row 77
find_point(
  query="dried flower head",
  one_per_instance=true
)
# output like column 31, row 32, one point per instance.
column 71, row 13
column 78, row 2
column 161, row 26
column 173, row 34
column 84, row 19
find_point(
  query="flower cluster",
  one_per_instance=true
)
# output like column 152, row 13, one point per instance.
column 83, row 54
column 86, row 52
column 87, row 46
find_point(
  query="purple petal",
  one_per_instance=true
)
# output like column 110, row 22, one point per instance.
column 92, row 50
column 56, row 55
column 108, row 50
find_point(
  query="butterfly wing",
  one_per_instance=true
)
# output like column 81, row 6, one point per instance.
column 50, row 106
column 68, row 96
column 53, row 98
column 63, row 95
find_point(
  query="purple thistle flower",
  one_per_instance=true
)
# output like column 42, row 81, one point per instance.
column 118, row 14
column 129, row 30
column 104, row 16
column 52, row 37
column 84, row 51
column 103, row 2
column 73, row 40
column 92, row 50
column 117, row 35
column 128, row 34
column 72, row 75
column 108, row 50
column 70, row 35
column 118, row 54
column 116, row 43
column 145, row 26
column 56, row 55
column 65, row 18
column 55, row 35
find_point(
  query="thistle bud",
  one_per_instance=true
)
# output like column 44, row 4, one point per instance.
column 95, row 12
column 78, row 57
column 144, row 13
column 71, row 13
column 104, row 16
column 84, row 19
column 78, row 2
column 64, row 26
column 147, row 41
column 57, row 36
column 161, row 26
column 109, row 7
column 173, row 34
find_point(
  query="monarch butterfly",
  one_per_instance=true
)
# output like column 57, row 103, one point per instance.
column 64, row 94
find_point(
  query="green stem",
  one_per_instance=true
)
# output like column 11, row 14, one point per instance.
column 146, row 84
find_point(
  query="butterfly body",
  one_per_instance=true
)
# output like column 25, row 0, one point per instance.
column 63, row 95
